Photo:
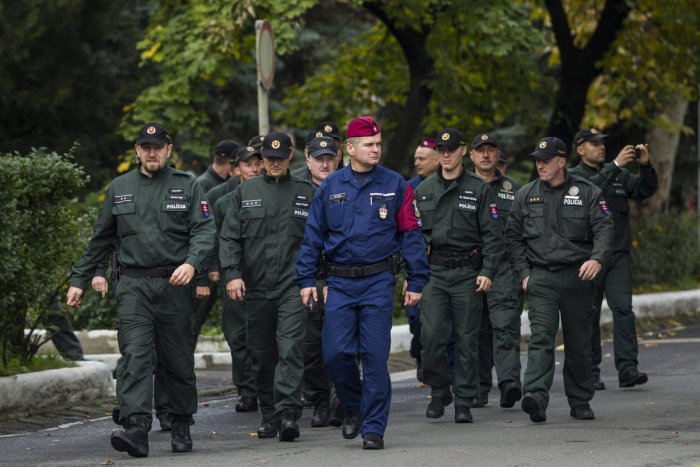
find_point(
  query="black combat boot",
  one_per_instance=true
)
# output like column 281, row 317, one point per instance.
column 180, row 438
column 268, row 427
column 322, row 414
column 289, row 429
column 133, row 439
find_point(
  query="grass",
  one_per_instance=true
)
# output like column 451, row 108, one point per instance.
column 50, row 361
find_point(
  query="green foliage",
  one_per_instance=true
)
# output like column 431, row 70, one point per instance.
column 49, row 361
column 40, row 230
column 665, row 251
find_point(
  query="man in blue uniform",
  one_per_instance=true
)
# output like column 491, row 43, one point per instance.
column 364, row 218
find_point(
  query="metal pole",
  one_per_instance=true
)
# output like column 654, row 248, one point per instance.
column 264, row 111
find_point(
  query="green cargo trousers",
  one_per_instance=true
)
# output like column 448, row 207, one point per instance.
column 275, row 337
column 233, row 325
column 548, row 293
column 151, row 311
column 450, row 306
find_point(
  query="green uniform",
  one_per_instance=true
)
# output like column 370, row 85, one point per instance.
column 161, row 223
column 615, row 280
column 209, row 179
column 259, row 243
column 500, row 319
column 459, row 217
column 551, row 232
column 233, row 321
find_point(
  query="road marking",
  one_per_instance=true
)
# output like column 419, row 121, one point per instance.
column 671, row 340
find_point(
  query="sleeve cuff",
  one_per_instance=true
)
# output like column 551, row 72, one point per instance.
column 232, row 274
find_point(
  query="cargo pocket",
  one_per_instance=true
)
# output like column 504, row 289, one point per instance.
column 126, row 218
column 253, row 223
column 174, row 216
column 532, row 223
column 575, row 223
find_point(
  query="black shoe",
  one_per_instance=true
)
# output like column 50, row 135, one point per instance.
column 180, row 438
column 598, row 383
column 337, row 412
column 289, row 429
column 268, row 427
column 633, row 378
column 419, row 370
column 582, row 412
column 534, row 407
column 511, row 392
column 436, row 408
column 481, row 400
column 165, row 422
column 463, row 414
column 372, row 441
column 116, row 418
column 306, row 402
column 133, row 439
column 322, row 414
column 351, row 426
column 247, row 404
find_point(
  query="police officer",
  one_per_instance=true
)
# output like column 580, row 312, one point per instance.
column 259, row 245
column 426, row 163
column 161, row 219
column 363, row 217
column 559, row 233
column 321, row 161
column 502, row 304
column 233, row 320
column 461, row 229
column 220, row 169
column 330, row 129
column 615, row 280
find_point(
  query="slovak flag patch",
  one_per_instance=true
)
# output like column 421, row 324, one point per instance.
column 604, row 207
column 205, row 208
column 493, row 210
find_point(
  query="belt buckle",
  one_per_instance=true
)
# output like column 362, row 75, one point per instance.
column 358, row 271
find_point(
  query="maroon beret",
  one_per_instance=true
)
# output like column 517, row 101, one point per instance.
column 362, row 126
column 426, row 142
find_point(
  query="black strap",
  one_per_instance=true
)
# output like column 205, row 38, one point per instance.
column 165, row 271
column 359, row 271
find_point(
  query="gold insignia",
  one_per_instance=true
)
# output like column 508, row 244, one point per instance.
column 543, row 144
column 150, row 130
column 573, row 191
column 445, row 136
column 594, row 131
column 484, row 137
column 250, row 149
column 374, row 129
column 327, row 128
column 382, row 213
column 275, row 144
column 323, row 144
column 507, row 185
column 319, row 134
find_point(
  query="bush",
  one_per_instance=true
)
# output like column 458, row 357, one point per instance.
column 665, row 251
column 41, row 230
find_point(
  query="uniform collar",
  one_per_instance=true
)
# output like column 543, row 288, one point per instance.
column 216, row 176
column 156, row 175
column 347, row 176
column 284, row 178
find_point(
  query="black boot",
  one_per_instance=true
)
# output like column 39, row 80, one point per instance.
column 268, row 427
column 133, row 439
column 247, row 404
column 165, row 422
column 322, row 414
column 180, row 438
column 289, row 429
column 337, row 411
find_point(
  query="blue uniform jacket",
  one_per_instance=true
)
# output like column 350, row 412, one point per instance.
column 358, row 224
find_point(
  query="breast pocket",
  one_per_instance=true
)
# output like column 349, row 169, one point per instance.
column 174, row 216
column 532, row 223
column 125, row 214
column 465, row 216
column 336, row 213
column 575, row 223
column 427, row 214
column 382, row 213
column 253, row 222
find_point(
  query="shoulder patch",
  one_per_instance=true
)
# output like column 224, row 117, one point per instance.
column 534, row 200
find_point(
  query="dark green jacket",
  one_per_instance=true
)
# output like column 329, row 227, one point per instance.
column 504, row 188
column 209, row 179
column 160, row 221
column 558, row 227
column 461, row 218
column 262, row 232
column 618, row 185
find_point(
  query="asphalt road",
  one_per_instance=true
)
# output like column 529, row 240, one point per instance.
column 657, row 424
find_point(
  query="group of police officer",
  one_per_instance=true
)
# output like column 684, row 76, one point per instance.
column 305, row 264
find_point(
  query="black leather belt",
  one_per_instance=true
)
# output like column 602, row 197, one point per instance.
column 359, row 271
column 165, row 271
column 453, row 259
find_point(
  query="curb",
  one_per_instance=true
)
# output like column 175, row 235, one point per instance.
column 67, row 386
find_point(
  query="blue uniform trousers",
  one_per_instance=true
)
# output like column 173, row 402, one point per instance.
column 358, row 322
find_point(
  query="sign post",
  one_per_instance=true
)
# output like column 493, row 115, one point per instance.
column 265, row 60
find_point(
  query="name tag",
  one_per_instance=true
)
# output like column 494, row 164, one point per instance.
column 466, row 206
column 301, row 201
column 302, row 213
column 176, row 191
column 572, row 201
column 467, row 195
column 251, row 203
column 338, row 197
column 504, row 195
column 118, row 199
column 176, row 197
column 175, row 207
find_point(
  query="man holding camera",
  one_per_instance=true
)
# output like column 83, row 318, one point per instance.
column 615, row 280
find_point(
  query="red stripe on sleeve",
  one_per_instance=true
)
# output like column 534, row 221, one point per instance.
column 406, row 215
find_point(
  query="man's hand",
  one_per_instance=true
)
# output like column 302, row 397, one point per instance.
column 411, row 298
column 236, row 289
column 325, row 293
column 100, row 285
column 644, row 158
column 483, row 284
column 74, row 295
column 589, row 270
column 310, row 292
column 626, row 156
column 182, row 275
column 202, row 291
column 214, row 276
column 524, row 283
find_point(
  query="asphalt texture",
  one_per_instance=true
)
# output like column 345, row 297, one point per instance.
column 656, row 424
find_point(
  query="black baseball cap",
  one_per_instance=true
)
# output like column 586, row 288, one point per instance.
column 549, row 147
column 588, row 134
column 322, row 145
column 153, row 133
column 256, row 141
column 328, row 128
column 484, row 138
column 226, row 148
column 244, row 153
column 311, row 135
column 450, row 138
column 277, row 144
column 502, row 158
